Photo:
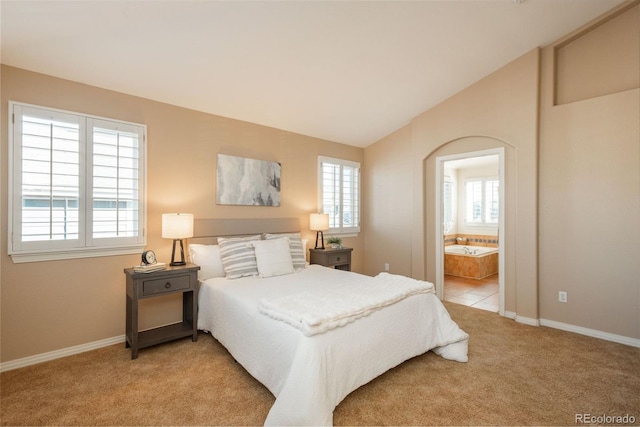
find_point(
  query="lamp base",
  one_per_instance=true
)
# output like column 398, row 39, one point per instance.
column 321, row 235
column 181, row 261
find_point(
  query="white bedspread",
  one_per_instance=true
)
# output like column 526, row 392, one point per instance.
column 310, row 375
column 320, row 310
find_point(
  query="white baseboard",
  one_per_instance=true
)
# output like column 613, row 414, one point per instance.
column 521, row 319
column 510, row 315
column 527, row 321
column 633, row 342
column 575, row 329
column 44, row 357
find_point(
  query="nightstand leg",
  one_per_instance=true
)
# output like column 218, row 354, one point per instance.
column 132, row 326
column 189, row 312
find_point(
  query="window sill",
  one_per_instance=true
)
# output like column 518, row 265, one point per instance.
column 345, row 234
column 19, row 258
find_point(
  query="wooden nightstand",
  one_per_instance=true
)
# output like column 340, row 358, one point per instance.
column 182, row 279
column 334, row 258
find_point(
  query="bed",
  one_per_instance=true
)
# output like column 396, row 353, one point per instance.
column 311, row 369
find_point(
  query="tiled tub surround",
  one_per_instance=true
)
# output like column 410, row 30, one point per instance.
column 471, row 239
column 480, row 263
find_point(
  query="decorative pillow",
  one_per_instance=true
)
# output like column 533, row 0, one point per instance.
column 273, row 257
column 297, row 247
column 238, row 256
column 208, row 258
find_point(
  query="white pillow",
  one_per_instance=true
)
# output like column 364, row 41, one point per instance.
column 297, row 246
column 208, row 258
column 238, row 256
column 273, row 257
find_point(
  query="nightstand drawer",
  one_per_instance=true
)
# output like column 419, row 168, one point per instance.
column 168, row 284
column 339, row 258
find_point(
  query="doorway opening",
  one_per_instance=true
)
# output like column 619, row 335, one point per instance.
column 470, row 224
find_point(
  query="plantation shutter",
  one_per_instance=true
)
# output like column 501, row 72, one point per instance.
column 482, row 201
column 492, row 201
column 48, row 179
column 350, row 196
column 474, row 201
column 115, row 180
column 331, row 193
column 447, row 217
column 339, row 189
column 77, row 185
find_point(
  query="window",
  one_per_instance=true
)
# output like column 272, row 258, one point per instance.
column 448, row 215
column 482, row 201
column 339, row 194
column 77, row 185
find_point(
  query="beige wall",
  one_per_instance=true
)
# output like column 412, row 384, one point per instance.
column 387, row 203
column 590, row 186
column 573, row 192
column 498, row 111
column 600, row 61
column 48, row 306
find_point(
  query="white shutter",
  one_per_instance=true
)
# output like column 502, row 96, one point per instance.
column 350, row 196
column 48, row 151
column 330, row 182
column 447, row 197
column 115, row 182
column 474, row 202
column 339, row 193
column 491, row 201
column 76, row 184
column 482, row 201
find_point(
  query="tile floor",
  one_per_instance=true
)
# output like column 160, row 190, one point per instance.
column 482, row 293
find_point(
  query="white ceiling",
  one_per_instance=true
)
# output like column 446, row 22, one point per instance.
column 346, row 71
column 472, row 162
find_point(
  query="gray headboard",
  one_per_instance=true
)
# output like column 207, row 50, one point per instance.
column 207, row 230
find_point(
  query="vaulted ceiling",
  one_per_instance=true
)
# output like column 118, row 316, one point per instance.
column 346, row 71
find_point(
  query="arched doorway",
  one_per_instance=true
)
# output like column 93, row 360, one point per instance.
column 468, row 233
column 431, row 263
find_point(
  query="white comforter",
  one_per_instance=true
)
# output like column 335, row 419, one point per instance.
column 310, row 375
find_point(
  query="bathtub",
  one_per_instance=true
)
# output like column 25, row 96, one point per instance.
column 475, row 250
column 481, row 262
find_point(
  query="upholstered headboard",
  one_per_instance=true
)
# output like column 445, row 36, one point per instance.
column 208, row 230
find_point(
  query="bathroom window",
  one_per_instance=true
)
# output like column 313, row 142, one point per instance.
column 482, row 201
column 448, row 214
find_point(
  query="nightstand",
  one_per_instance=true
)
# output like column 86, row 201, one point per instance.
column 172, row 280
column 335, row 258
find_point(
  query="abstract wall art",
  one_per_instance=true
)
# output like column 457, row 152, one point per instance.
column 247, row 182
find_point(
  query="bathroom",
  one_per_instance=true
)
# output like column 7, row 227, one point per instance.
column 470, row 199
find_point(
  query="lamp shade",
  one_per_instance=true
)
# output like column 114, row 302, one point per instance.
column 319, row 222
column 177, row 225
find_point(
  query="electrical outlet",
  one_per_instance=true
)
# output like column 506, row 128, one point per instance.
column 562, row 296
column 386, row 266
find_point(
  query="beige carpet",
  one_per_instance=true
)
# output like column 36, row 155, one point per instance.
column 516, row 375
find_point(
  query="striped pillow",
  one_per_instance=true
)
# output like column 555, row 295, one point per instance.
column 296, row 247
column 238, row 256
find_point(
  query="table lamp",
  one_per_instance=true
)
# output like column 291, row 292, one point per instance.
column 319, row 222
column 177, row 226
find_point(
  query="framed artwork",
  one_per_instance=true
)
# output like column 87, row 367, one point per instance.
column 247, row 182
